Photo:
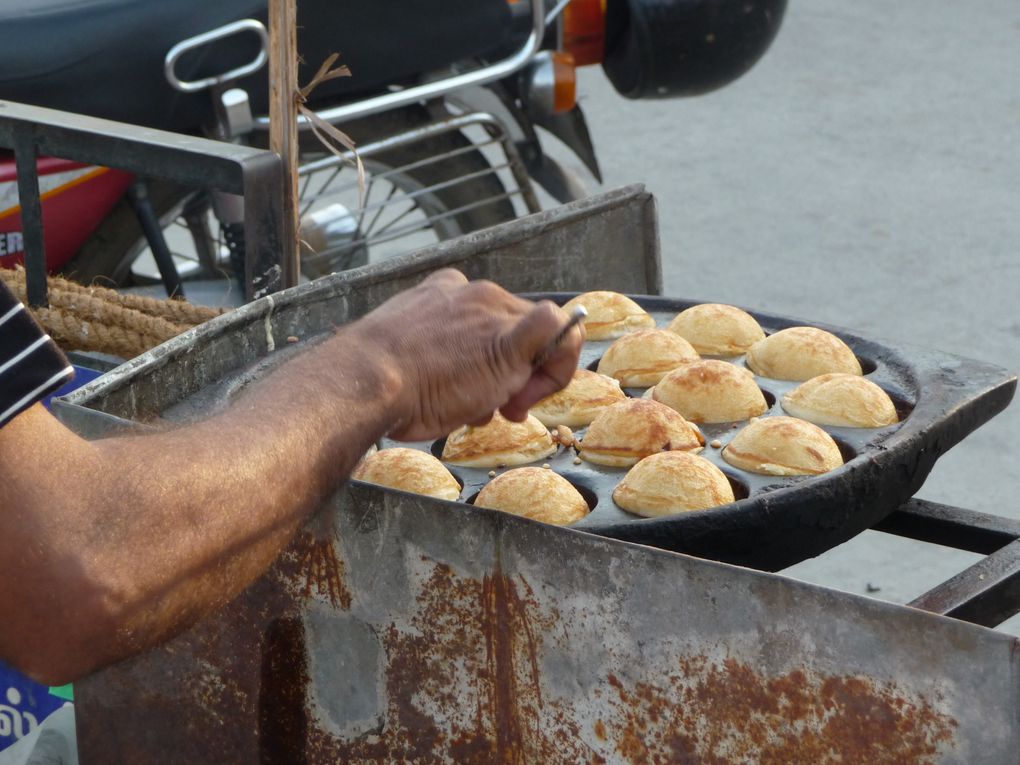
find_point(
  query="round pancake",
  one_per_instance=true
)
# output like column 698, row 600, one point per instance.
column 716, row 329
column 640, row 359
column 843, row 400
column 576, row 405
column 610, row 314
column 783, row 446
column 800, row 353
column 711, row 390
column 535, row 493
column 626, row 432
column 672, row 482
column 499, row 442
column 409, row 470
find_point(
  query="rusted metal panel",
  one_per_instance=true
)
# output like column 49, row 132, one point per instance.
column 403, row 629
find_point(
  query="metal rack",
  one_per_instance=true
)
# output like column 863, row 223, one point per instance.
column 255, row 174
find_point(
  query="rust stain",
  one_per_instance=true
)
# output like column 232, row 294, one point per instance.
column 323, row 571
column 719, row 713
column 463, row 685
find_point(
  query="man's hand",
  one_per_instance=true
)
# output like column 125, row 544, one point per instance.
column 460, row 350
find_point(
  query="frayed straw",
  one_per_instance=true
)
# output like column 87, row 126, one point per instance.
column 329, row 135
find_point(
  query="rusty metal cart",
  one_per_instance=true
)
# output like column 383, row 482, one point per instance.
column 398, row 628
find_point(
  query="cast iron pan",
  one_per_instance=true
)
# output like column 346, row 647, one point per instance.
column 776, row 521
column 779, row 521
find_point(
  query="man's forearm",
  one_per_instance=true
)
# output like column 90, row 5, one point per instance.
column 164, row 527
column 109, row 547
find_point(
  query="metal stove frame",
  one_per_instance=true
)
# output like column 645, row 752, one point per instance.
column 399, row 628
column 711, row 654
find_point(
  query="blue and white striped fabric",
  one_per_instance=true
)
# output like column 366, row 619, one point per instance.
column 31, row 365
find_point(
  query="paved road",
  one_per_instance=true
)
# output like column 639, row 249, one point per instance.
column 865, row 174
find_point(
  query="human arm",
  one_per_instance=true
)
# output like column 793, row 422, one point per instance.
column 127, row 540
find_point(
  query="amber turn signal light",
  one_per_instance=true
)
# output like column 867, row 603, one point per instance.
column 565, row 77
column 584, row 31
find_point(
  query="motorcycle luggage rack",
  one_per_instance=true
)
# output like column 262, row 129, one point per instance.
column 256, row 174
column 509, row 169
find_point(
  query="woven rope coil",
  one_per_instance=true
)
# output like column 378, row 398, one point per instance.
column 81, row 318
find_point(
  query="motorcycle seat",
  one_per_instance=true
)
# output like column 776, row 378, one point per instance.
column 104, row 58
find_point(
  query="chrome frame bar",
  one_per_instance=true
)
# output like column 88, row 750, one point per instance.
column 459, row 122
column 436, row 88
column 220, row 33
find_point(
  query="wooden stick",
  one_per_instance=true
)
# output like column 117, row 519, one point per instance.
column 283, row 128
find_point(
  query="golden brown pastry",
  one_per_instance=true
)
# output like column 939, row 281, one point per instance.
column 535, row 493
column 408, row 470
column 672, row 482
column 500, row 442
column 783, row 446
column 576, row 405
column 716, row 329
column 642, row 358
column 610, row 314
column 626, row 432
column 800, row 353
column 840, row 399
column 711, row 390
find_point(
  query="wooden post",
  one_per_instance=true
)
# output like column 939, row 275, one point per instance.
column 283, row 127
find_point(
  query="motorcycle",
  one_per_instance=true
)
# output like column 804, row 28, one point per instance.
column 448, row 103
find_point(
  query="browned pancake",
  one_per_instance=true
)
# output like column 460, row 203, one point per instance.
column 800, row 353
column 536, row 493
column 576, row 405
column 626, row 432
column 783, row 446
column 610, row 314
column 640, row 359
column 500, row 442
column 672, row 482
column 409, row 470
column 716, row 329
column 711, row 390
column 843, row 400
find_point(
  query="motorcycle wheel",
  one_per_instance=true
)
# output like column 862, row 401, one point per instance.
column 410, row 187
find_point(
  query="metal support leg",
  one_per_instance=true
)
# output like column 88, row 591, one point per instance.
column 31, row 219
column 138, row 196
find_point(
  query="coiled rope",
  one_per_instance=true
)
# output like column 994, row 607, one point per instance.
column 101, row 320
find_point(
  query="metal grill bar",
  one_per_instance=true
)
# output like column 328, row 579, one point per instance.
column 951, row 527
column 987, row 593
column 194, row 162
column 25, row 154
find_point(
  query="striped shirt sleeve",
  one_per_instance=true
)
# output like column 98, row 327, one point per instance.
column 31, row 365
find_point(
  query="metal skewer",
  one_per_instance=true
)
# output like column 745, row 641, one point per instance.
column 577, row 315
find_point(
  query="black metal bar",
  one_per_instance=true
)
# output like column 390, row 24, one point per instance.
column 185, row 159
column 138, row 196
column 25, row 154
column 266, row 265
column 951, row 526
column 190, row 161
column 987, row 593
